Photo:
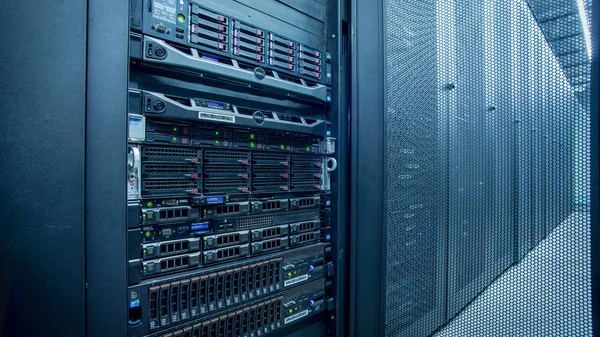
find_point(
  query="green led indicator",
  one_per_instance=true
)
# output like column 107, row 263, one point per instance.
column 180, row 17
column 251, row 144
column 307, row 148
column 251, row 136
column 217, row 133
column 217, row 142
column 174, row 139
column 147, row 234
column 144, row 251
column 149, row 204
column 174, row 128
column 282, row 146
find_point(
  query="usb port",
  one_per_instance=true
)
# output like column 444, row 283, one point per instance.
column 179, row 36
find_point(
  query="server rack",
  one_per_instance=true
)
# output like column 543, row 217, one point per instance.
column 174, row 152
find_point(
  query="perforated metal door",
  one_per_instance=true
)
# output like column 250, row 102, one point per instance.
column 487, row 168
column 415, row 192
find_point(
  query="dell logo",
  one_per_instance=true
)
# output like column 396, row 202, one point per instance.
column 259, row 73
column 259, row 117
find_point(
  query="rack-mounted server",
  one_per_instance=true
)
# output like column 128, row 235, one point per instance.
column 228, row 200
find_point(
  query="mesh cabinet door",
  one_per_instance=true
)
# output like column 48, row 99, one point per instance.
column 415, row 132
column 484, row 146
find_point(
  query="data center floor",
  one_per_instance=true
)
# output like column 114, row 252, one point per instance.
column 547, row 294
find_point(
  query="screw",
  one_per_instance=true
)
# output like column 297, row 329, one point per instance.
column 333, row 36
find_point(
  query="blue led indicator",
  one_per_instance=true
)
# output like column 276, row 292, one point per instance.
column 328, row 203
column 327, row 237
column 215, row 105
column 328, row 133
column 213, row 200
column 420, row 234
column 199, row 226
column 134, row 304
